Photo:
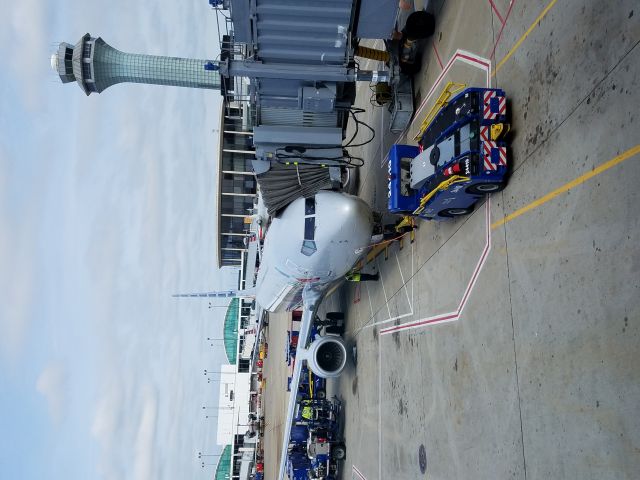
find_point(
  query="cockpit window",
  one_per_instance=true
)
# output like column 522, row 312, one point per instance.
column 309, row 228
column 308, row 248
column 310, row 206
column 308, row 244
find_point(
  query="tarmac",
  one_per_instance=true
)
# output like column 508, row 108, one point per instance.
column 505, row 344
column 275, row 396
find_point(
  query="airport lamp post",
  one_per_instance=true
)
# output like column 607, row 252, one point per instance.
column 200, row 455
column 215, row 408
column 218, row 306
column 207, row 457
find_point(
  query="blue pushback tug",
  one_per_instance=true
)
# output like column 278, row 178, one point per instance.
column 462, row 156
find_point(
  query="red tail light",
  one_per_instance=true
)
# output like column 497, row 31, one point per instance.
column 455, row 168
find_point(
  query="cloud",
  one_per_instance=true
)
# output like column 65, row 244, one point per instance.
column 17, row 278
column 52, row 384
column 145, row 437
column 24, row 37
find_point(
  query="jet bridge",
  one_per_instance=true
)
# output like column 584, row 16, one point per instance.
column 298, row 57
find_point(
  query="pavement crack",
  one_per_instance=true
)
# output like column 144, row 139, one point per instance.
column 574, row 109
column 515, row 353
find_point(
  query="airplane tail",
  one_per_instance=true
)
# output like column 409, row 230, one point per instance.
column 246, row 293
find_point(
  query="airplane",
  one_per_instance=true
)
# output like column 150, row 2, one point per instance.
column 308, row 249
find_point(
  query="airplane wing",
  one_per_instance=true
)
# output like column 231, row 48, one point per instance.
column 246, row 293
column 310, row 300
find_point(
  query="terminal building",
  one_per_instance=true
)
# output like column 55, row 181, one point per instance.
column 237, row 183
column 238, row 401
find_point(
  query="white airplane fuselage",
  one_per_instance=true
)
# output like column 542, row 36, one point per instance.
column 315, row 242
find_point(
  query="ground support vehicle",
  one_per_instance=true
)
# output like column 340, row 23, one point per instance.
column 462, row 156
column 315, row 445
column 317, row 413
column 291, row 346
column 311, row 386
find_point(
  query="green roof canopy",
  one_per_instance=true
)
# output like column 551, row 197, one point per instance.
column 231, row 330
column 223, row 470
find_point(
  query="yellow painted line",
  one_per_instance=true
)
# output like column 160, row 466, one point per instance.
column 523, row 37
column 568, row 186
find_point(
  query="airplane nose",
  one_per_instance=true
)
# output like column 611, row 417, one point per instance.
column 348, row 216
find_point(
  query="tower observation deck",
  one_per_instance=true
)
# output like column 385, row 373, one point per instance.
column 96, row 65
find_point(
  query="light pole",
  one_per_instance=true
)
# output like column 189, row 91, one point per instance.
column 210, row 339
column 217, row 306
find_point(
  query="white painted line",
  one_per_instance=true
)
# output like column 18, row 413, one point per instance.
column 369, row 297
column 386, row 299
column 379, row 411
column 355, row 473
column 412, row 273
column 397, row 317
column 404, row 284
column 452, row 316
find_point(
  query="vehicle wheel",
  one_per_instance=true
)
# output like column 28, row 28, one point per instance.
column 420, row 24
column 335, row 315
column 455, row 212
column 339, row 452
column 321, row 394
column 483, row 188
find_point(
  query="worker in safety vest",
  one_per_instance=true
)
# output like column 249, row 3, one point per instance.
column 355, row 276
column 307, row 413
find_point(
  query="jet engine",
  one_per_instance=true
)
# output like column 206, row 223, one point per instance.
column 327, row 356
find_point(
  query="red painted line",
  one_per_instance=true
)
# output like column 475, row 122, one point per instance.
column 493, row 6
column 443, row 73
column 483, row 258
column 453, row 316
column 419, row 323
column 358, row 473
column 472, row 59
column 437, row 54
column 474, row 277
column 493, row 52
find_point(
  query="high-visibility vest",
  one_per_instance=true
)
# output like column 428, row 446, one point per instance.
column 353, row 276
column 307, row 412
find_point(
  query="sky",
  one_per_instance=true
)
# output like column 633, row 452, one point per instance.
column 107, row 207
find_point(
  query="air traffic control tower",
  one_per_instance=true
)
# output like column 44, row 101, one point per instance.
column 96, row 65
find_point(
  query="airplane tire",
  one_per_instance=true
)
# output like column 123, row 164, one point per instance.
column 334, row 330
